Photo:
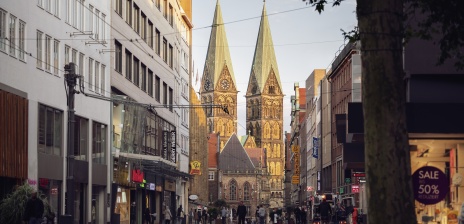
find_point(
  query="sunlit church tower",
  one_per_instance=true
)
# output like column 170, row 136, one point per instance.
column 218, row 84
column 264, row 100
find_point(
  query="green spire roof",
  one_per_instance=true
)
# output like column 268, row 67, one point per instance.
column 264, row 59
column 218, row 54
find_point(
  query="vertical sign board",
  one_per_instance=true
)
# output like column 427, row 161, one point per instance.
column 318, row 180
column 165, row 145
column 173, row 147
column 430, row 185
column 315, row 147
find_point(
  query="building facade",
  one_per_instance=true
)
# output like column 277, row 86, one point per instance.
column 150, row 78
column 37, row 39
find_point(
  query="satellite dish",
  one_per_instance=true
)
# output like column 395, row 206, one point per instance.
column 457, row 179
column 193, row 197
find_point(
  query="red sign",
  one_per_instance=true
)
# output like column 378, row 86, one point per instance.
column 354, row 188
column 137, row 176
column 359, row 174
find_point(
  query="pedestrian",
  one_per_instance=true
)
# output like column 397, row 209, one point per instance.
column 204, row 215
column 34, row 210
column 147, row 216
column 180, row 214
column 262, row 214
column 199, row 216
column 241, row 213
column 325, row 210
column 303, row 215
column 224, row 215
column 349, row 212
column 167, row 215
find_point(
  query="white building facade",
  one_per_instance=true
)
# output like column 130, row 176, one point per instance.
column 37, row 39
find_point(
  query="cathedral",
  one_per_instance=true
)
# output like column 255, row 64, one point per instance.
column 264, row 101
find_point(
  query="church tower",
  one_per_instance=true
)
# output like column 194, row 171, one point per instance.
column 264, row 100
column 218, row 86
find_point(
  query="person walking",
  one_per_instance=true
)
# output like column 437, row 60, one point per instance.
column 325, row 210
column 180, row 214
column 262, row 214
column 204, row 216
column 241, row 213
column 147, row 216
column 34, row 210
column 224, row 215
column 167, row 215
column 199, row 216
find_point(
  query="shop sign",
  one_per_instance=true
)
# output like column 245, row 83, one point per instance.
column 430, row 185
column 150, row 186
column 195, row 167
column 347, row 180
column 354, row 188
column 315, row 147
column 341, row 190
column 295, row 148
column 165, row 145
column 173, row 147
column 170, row 185
column 137, row 176
column 295, row 179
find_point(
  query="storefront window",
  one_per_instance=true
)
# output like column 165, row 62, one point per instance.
column 123, row 205
column 51, row 190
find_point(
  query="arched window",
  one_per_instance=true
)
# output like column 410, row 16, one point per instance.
column 246, row 191
column 233, row 190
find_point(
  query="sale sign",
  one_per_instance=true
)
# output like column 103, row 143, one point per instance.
column 430, row 185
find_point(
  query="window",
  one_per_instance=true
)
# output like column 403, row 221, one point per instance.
column 136, row 72
column 56, row 11
column 150, row 83
column 67, row 49
column 81, row 64
column 97, row 24
column 165, row 50
column 48, row 5
column 171, row 98
column 103, row 27
column 136, row 19
column 128, row 65
column 74, row 56
column 157, row 88
column 81, row 138
column 143, row 72
column 2, row 30
column 39, row 49
column 233, row 190
column 158, row 4
column 170, row 19
column 118, row 57
column 129, row 12
column 97, row 76
column 56, row 56
column 165, row 9
column 90, row 27
column 246, row 191
column 143, row 28
column 119, row 7
column 103, row 79
column 165, row 94
column 50, row 132
column 210, row 174
column 74, row 13
column 12, row 35
column 157, row 42
column 98, row 143
column 21, row 37
column 40, row 3
column 48, row 48
column 68, row 11
column 90, row 74
column 170, row 56
column 80, row 21
column 150, row 34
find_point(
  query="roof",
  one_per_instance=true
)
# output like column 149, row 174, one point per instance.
column 234, row 156
column 257, row 156
column 264, row 58
column 212, row 150
column 218, row 54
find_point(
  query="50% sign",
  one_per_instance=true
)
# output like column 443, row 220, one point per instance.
column 430, row 185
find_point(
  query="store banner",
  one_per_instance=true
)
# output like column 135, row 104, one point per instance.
column 165, row 145
column 137, row 176
column 195, row 167
column 315, row 147
column 173, row 156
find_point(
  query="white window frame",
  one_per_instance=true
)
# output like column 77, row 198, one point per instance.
column 90, row 67
column 90, row 28
column 3, row 30
column 211, row 175
column 97, row 22
column 56, row 57
column 12, row 35
column 103, row 79
column 56, row 8
column 81, row 65
column 67, row 53
column 48, row 48
column 103, row 27
column 97, row 76
column 39, row 49
column 21, row 40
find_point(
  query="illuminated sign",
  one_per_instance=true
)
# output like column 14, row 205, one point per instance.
column 195, row 167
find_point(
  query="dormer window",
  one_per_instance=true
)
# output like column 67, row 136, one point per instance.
column 271, row 89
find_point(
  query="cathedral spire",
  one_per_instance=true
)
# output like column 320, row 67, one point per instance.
column 264, row 60
column 218, row 55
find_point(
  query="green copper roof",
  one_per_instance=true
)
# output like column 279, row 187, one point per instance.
column 264, row 59
column 218, row 54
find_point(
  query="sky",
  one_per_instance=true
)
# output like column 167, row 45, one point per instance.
column 304, row 40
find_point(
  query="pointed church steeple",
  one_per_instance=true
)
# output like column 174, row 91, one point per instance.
column 218, row 55
column 264, row 60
